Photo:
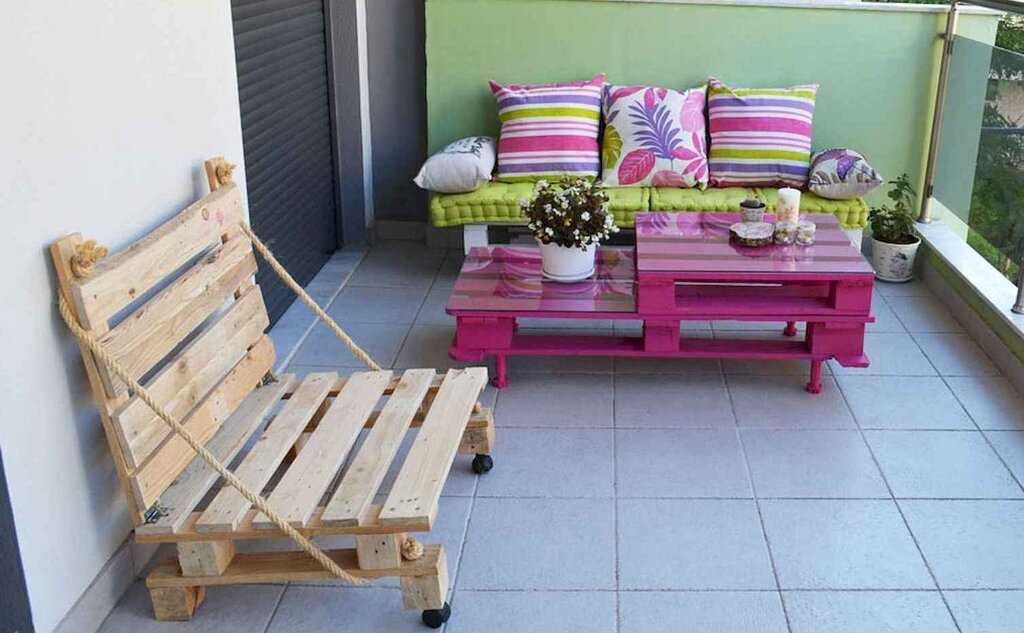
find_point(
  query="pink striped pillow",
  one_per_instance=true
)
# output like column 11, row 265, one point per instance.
column 760, row 136
column 549, row 130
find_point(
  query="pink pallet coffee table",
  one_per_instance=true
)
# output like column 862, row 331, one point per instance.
column 682, row 268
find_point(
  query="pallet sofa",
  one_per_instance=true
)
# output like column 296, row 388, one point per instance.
column 497, row 203
column 179, row 309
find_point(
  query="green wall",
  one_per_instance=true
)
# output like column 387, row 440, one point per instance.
column 876, row 68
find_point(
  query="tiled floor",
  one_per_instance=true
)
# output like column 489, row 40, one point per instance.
column 688, row 496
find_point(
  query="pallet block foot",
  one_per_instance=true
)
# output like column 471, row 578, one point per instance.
column 379, row 551
column 176, row 604
column 209, row 558
column 479, row 440
column 429, row 591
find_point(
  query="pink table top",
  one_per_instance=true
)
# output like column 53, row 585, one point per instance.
column 699, row 243
column 508, row 278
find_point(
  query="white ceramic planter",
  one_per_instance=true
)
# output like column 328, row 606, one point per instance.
column 567, row 264
column 893, row 262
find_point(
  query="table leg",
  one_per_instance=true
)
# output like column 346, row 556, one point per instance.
column 501, row 379
column 790, row 328
column 814, row 386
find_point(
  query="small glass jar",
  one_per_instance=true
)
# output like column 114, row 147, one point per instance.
column 805, row 230
column 785, row 233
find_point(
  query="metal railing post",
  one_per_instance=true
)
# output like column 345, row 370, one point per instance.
column 928, row 189
column 1018, row 305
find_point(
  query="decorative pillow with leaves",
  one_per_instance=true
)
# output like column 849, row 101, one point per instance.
column 654, row 137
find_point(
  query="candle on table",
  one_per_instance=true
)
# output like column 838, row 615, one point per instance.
column 787, row 208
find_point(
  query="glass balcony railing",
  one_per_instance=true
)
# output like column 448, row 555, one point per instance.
column 979, row 172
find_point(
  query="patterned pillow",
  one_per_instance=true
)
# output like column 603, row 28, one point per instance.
column 842, row 174
column 760, row 137
column 549, row 130
column 654, row 137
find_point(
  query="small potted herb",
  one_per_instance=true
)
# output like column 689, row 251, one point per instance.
column 894, row 243
column 568, row 218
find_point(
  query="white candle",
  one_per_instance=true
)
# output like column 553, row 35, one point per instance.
column 787, row 209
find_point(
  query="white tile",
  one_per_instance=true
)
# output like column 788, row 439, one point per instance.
column 874, row 611
column 364, row 304
column 702, row 612
column 533, row 612
column 663, row 365
column 540, row 544
column 890, row 354
column 680, row 463
column 660, row 400
column 903, row 402
column 885, row 319
column 923, row 313
column 691, row 544
column 426, row 346
column 230, row 609
column 821, row 464
column 992, row 402
column 987, row 611
column 556, row 400
column 344, row 610
column 432, row 312
column 912, row 288
column 842, row 544
column 380, row 340
column 942, row 465
column 783, row 402
column 1010, row 446
column 387, row 267
column 551, row 463
column 970, row 544
column 956, row 355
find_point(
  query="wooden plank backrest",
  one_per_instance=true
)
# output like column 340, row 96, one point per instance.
column 177, row 308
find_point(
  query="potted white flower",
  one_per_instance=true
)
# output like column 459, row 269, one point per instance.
column 568, row 218
column 893, row 241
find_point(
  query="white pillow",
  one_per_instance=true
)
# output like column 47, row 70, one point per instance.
column 461, row 166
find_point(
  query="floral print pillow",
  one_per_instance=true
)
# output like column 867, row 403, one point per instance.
column 654, row 137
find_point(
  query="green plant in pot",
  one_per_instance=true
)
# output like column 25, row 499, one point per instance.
column 894, row 242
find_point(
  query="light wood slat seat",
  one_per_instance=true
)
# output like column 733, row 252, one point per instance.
column 179, row 311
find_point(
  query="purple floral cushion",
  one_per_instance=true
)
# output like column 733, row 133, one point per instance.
column 842, row 174
column 653, row 137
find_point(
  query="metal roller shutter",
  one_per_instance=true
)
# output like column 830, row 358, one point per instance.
column 281, row 54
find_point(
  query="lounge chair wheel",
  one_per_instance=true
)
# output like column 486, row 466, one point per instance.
column 434, row 618
column 482, row 464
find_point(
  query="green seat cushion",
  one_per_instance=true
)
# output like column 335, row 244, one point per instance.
column 711, row 199
column 852, row 214
column 498, row 203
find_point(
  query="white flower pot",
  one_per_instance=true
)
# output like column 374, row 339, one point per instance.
column 893, row 262
column 563, row 263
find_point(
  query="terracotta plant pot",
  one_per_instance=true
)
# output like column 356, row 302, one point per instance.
column 894, row 262
column 563, row 263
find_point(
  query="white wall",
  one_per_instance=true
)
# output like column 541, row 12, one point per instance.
column 107, row 109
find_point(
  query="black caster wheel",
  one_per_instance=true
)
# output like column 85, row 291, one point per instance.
column 482, row 464
column 434, row 618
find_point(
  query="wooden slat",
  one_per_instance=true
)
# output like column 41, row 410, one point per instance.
column 417, row 489
column 228, row 508
column 246, row 531
column 186, row 380
column 130, row 273
column 300, row 489
column 142, row 339
column 168, row 461
column 352, row 500
column 275, row 567
column 195, row 481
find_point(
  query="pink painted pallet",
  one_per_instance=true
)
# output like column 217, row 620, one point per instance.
column 682, row 268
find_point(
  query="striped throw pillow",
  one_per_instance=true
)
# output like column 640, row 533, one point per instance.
column 549, row 130
column 760, row 137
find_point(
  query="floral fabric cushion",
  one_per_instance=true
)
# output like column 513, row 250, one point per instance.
column 842, row 174
column 760, row 137
column 549, row 130
column 653, row 137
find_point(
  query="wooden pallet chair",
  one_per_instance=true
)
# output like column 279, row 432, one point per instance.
column 172, row 333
